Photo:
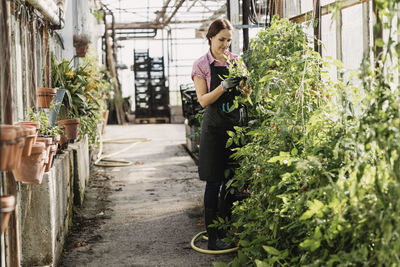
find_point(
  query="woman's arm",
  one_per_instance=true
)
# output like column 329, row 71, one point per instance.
column 203, row 96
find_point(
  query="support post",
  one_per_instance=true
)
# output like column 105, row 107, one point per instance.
column 245, row 20
column 317, row 26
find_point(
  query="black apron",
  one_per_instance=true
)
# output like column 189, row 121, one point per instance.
column 217, row 120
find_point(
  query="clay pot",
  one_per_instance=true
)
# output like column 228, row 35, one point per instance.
column 35, row 124
column 32, row 167
column 7, row 206
column 48, row 141
column 53, row 150
column 70, row 128
column 45, row 96
column 19, row 144
column 63, row 142
column 8, row 134
column 81, row 43
column 30, row 138
column 81, row 51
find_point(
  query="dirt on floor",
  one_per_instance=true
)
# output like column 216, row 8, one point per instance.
column 145, row 214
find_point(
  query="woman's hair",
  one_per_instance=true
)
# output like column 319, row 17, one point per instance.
column 216, row 27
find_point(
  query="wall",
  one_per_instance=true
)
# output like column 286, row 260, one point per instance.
column 49, row 204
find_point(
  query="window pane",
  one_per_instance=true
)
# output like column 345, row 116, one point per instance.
column 306, row 5
column 325, row 2
column 291, row 8
column 328, row 36
column 352, row 36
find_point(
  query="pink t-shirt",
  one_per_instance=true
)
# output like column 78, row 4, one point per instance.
column 201, row 67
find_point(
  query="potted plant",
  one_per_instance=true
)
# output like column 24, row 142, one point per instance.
column 49, row 135
column 86, row 86
column 81, row 43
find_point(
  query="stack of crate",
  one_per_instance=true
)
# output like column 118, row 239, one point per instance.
column 151, row 91
column 142, row 92
column 160, row 91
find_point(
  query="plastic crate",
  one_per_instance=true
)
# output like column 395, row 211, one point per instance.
column 157, row 82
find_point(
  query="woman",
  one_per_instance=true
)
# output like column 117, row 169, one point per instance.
column 216, row 95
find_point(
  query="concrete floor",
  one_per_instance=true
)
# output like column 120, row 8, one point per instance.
column 145, row 214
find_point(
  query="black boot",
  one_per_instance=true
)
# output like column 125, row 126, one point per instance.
column 209, row 216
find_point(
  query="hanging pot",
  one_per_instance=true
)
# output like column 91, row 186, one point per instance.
column 63, row 142
column 7, row 147
column 19, row 144
column 32, row 167
column 7, row 206
column 30, row 138
column 53, row 149
column 48, row 141
column 70, row 128
column 35, row 124
column 45, row 96
column 81, row 43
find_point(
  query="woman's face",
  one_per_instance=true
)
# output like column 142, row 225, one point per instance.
column 221, row 41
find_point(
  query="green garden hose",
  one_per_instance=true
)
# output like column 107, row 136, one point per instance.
column 101, row 160
column 207, row 251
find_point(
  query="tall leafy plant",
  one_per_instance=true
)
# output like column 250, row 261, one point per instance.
column 320, row 159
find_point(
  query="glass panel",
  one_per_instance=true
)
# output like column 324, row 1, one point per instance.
column 306, row 5
column 328, row 36
column 325, row 2
column 352, row 36
column 291, row 8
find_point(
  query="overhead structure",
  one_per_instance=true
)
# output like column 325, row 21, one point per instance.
column 161, row 14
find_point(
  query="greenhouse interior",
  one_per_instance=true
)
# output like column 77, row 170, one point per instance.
column 200, row 133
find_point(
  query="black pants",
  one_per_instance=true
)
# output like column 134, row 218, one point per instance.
column 216, row 198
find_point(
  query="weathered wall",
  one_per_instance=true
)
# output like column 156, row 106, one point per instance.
column 46, row 209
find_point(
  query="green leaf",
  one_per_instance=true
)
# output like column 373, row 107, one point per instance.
column 220, row 264
column 263, row 79
column 310, row 244
column 379, row 42
column 244, row 243
column 271, row 250
column 315, row 207
column 294, row 152
column 261, row 263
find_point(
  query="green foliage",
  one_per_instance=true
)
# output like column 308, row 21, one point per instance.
column 45, row 129
column 87, row 88
column 320, row 159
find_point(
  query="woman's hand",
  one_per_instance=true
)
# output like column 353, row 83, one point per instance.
column 230, row 83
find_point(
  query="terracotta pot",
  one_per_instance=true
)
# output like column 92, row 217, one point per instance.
column 81, row 43
column 70, row 128
column 35, row 124
column 19, row 144
column 81, row 51
column 7, row 206
column 30, row 138
column 105, row 116
column 8, row 134
column 53, row 150
column 48, row 141
column 63, row 142
column 32, row 167
column 45, row 96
